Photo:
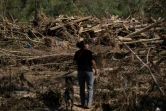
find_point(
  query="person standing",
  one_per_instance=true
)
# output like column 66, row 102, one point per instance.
column 85, row 62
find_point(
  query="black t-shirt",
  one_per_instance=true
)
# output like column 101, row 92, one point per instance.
column 83, row 58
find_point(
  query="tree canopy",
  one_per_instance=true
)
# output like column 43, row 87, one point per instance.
column 24, row 10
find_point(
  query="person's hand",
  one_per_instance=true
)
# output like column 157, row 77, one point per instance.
column 96, row 73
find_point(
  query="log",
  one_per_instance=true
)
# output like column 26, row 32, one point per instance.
column 124, row 39
column 25, row 35
column 138, row 26
column 141, row 40
column 150, row 71
column 73, row 22
column 50, row 56
column 146, row 28
column 45, row 59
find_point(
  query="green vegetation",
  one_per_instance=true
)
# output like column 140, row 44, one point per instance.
column 23, row 10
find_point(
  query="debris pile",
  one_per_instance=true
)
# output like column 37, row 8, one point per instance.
column 130, row 54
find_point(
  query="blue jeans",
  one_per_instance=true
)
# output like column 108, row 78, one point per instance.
column 88, row 78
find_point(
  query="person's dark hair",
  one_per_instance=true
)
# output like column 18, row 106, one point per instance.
column 81, row 44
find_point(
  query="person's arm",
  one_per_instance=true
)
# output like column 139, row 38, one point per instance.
column 74, row 62
column 94, row 66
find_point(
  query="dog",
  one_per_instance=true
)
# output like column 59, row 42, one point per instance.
column 69, row 92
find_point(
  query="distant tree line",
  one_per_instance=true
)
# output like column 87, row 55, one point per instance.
column 23, row 10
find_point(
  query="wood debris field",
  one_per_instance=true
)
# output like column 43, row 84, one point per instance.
column 130, row 56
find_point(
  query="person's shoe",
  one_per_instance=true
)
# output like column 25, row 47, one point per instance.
column 81, row 106
column 88, row 107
